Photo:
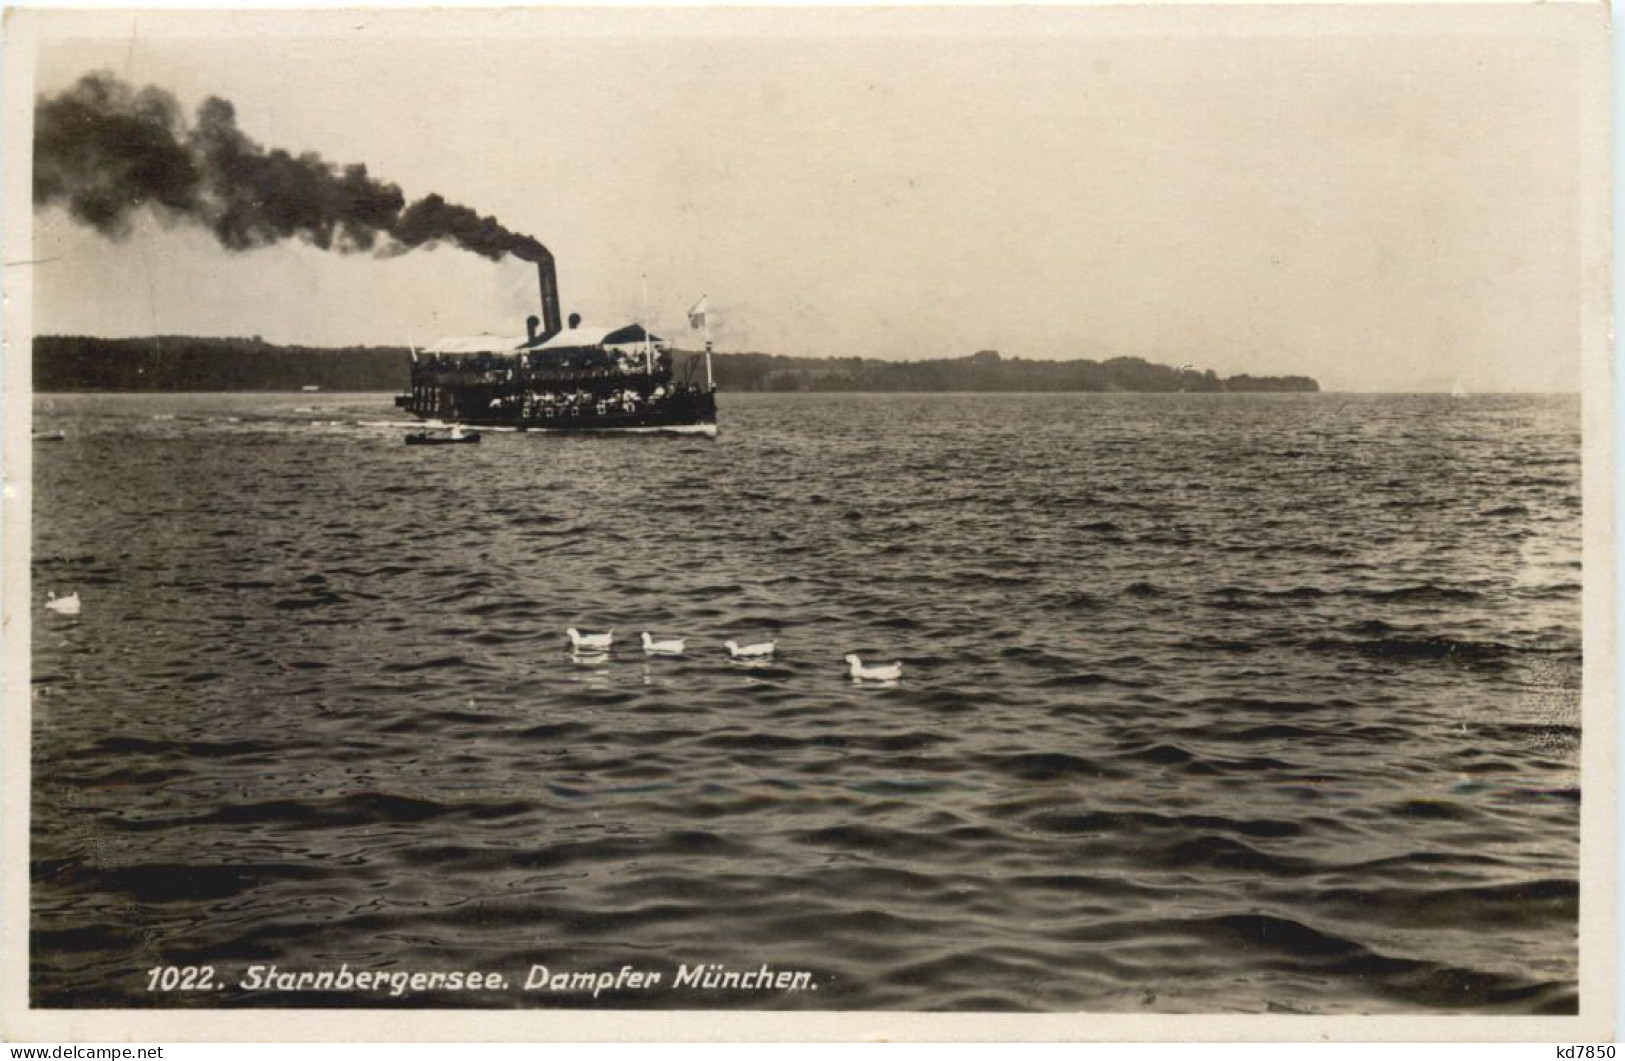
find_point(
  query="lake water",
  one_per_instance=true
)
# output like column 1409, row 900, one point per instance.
column 1210, row 703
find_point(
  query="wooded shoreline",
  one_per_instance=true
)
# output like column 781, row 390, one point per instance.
column 188, row 363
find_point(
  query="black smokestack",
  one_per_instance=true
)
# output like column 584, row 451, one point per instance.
column 549, row 279
column 107, row 151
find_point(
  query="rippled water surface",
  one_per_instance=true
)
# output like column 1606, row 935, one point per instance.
column 1210, row 703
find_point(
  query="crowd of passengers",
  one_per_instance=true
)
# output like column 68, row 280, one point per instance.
column 592, row 362
column 546, row 404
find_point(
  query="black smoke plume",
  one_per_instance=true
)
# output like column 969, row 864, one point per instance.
column 107, row 151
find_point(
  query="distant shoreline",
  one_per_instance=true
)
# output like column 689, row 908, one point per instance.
column 190, row 364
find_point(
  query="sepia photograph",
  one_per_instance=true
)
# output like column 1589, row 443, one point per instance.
column 1082, row 518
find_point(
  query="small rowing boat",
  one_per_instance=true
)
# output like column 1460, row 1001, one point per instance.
column 454, row 437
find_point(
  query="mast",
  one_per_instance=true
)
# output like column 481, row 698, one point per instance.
column 648, row 354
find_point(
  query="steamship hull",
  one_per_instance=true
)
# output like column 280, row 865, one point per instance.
column 693, row 414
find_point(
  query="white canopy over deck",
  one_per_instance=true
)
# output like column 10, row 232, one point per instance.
column 582, row 336
column 627, row 339
column 477, row 344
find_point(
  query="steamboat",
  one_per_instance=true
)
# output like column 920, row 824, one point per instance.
column 561, row 377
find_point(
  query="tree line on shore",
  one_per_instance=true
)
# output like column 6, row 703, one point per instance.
column 187, row 363
column 986, row 370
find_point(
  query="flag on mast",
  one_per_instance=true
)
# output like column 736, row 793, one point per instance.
column 696, row 315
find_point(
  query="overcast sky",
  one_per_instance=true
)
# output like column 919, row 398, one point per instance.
column 1381, row 200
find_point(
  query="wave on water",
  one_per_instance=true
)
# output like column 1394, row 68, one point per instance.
column 1261, row 704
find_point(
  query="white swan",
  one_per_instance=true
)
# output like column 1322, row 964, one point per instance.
column 667, row 646
column 888, row 672
column 757, row 651
column 590, row 642
column 68, row 605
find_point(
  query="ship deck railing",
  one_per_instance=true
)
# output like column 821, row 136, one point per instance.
column 499, row 377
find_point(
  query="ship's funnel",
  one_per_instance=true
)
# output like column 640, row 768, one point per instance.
column 548, row 276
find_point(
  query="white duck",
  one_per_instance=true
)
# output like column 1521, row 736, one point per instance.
column 888, row 672
column 663, row 646
column 581, row 642
column 68, row 605
column 761, row 650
